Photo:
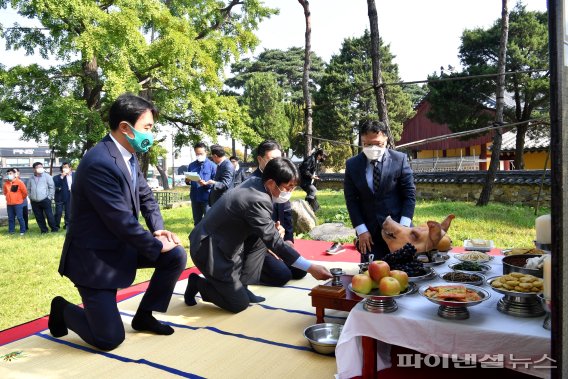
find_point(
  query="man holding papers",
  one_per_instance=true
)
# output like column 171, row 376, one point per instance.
column 205, row 169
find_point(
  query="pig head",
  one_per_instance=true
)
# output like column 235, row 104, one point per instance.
column 424, row 238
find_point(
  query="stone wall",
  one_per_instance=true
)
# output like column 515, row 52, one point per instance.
column 511, row 187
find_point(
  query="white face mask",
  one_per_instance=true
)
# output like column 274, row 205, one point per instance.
column 373, row 152
column 65, row 170
column 200, row 158
column 39, row 170
column 283, row 197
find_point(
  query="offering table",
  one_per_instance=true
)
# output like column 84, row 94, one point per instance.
column 522, row 342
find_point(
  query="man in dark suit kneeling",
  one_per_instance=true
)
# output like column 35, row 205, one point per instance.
column 229, row 244
column 105, row 243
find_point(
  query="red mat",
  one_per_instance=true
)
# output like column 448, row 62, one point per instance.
column 315, row 251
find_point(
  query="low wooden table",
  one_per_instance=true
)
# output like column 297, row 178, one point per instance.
column 322, row 300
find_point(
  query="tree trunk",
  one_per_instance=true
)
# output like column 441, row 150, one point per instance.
column 519, row 161
column 377, row 75
column 500, row 92
column 245, row 153
column 233, row 147
column 306, row 77
column 164, row 177
column 91, row 95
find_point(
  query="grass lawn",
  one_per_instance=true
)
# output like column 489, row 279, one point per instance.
column 29, row 278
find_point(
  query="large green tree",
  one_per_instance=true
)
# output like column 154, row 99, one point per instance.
column 172, row 52
column 287, row 65
column 264, row 100
column 462, row 104
column 346, row 95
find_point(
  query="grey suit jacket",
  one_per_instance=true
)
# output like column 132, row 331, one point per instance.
column 238, row 221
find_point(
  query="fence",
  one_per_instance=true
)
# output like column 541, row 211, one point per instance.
column 469, row 163
column 166, row 198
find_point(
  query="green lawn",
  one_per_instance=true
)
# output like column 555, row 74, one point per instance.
column 29, row 264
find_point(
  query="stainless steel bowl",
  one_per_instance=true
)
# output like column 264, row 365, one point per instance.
column 515, row 263
column 323, row 337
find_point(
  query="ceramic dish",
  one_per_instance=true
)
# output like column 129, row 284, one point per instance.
column 480, row 291
column 473, row 256
column 459, row 277
column 483, row 268
column 478, row 244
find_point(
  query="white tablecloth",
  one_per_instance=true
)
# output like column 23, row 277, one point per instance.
column 417, row 326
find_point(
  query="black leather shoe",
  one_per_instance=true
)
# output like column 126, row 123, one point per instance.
column 56, row 322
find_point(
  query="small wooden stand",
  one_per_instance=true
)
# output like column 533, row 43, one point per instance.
column 333, row 297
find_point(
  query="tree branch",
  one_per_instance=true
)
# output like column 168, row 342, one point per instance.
column 225, row 13
column 180, row 121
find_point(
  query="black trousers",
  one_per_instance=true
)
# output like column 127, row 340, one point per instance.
column 60, row 208
column 42, row 210
column 276, row 273
column 99, row 322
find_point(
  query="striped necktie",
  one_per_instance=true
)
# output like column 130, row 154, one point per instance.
column 376, row 175
column 132, row 161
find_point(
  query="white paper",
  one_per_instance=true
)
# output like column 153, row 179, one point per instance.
column 193, row 176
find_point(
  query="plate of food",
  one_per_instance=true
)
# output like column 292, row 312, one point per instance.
column 375, row 294
column 455, row 295
column 516, row 284
column 473, row 256
column 432, row 258
column 474, row 279
column 523, row 251
column 478, row 244
column 470, row 267
column 428, row 273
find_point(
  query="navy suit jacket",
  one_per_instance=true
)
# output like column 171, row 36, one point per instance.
column 104, row 237
column 396, row 195
column 223, row 179
column 62, row 191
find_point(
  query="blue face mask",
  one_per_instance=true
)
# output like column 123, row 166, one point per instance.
column 141, row 141
column 10, row 177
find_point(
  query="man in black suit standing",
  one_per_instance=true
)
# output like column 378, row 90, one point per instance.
column 63, row 184
column 275, row 272
column 240, row 173
column 105, row 243
column 223, row 180
column 378, row 183
column 228, row 245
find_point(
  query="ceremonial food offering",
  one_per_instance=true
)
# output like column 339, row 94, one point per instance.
column 470, row 267
column 517, row 282
column 473, row 256
column 454, row 299
column 478, row 244
column 463, row 277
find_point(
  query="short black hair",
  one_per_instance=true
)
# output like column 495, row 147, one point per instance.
column 281, row 170
column 217, row 150
column 16, row 170
column 37, row 164
column 373, row 126
column 128, row 107
column 267, row 145
column 198, row 145
column 63, row 164
column 234, row 158
column 11, row 170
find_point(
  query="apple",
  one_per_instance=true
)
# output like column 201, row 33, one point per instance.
column 375, row 284
column 362, row 283
column 378, row 270
column 389, row 286
column 402, row 278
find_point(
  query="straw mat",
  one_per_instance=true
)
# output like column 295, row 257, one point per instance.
column 264, row 341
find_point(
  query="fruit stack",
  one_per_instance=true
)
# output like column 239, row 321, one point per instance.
column 379, row 275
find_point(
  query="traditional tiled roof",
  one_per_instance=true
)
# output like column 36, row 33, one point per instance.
column 531, row 143
column 528, row 177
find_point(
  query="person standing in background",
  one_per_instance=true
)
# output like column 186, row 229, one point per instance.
column 240, row 174
column 16, row 194
column 41, row 191
column 25, row 210
column 199, row 190
column 223, row 177
column 275, row 272
column 62, row 184
column 308, row 173
column 378, row 183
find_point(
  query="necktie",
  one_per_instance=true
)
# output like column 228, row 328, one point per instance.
column 132, row 161
column 376, row 175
